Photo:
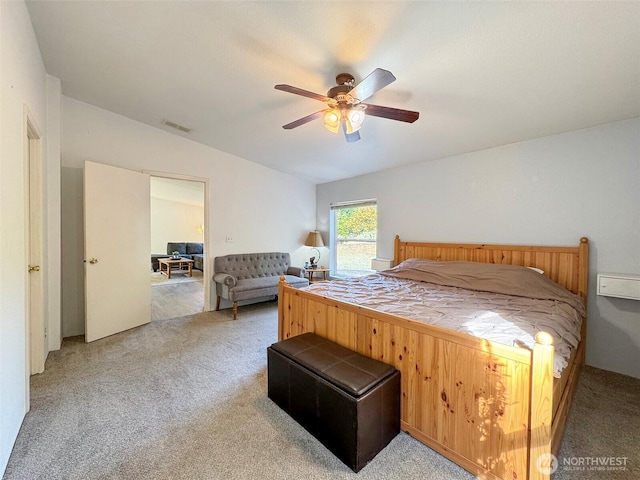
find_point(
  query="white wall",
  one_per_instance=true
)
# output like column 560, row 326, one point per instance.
column 173, row 221
column 551, row 191
column 24, row 83
column 177, row 212
column 262, row 209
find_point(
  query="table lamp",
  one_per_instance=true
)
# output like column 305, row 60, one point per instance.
column 314, row 239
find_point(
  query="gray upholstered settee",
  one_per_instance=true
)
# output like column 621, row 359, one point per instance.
column 253, row 275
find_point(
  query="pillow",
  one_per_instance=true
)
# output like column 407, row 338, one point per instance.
column 536, row 270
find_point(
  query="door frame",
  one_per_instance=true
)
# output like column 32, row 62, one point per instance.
column 205, row 273
column 35, row 329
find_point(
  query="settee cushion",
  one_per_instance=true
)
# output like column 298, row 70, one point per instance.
column 262, row 287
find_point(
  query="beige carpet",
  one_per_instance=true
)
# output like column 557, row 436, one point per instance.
column 186, row 399
column 158, row 278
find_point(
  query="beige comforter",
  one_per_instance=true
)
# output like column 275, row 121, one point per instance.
column 501, row 303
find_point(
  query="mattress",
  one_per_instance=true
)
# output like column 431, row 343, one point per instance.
column 508, row 304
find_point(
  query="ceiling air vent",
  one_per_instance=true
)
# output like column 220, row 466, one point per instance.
column 171, row 124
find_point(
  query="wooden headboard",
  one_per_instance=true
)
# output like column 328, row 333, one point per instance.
column 567, row 266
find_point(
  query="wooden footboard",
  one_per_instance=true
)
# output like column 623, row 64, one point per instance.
column 486, row 406
column 466, row 398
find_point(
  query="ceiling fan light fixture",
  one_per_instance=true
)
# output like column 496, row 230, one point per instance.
column 332, row 119
column 345, row 111
column 356, row 117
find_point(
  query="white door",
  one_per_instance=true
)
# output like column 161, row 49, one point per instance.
column 117, row 248
column 35, row 291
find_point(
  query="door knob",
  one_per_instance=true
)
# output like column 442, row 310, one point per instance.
column 93, row 260
column 34, row 268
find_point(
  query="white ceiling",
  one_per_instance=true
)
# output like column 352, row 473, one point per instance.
column 481, row 74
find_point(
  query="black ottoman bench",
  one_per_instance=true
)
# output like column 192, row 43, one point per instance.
column 349, row 402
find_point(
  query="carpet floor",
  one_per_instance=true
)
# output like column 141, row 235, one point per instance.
column 186, row 399
column 176, row 300
column 160, row 279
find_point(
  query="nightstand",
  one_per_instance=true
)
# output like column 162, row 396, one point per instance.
column 311, row 271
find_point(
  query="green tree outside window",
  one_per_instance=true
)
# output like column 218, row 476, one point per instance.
column 357, row 222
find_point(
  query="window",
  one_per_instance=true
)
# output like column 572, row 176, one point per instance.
column 353, row 237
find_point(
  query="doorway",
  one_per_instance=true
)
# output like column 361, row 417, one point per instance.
column 117, row 214
column 178, row 227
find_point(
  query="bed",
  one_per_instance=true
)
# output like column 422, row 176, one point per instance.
column 496, row 410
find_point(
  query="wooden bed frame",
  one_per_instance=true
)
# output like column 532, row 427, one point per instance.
column 493, row 409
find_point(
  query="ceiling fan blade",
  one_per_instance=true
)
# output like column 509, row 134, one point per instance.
column 376, row 80
column 392, row 113
column 303, row 120
column 304, row 93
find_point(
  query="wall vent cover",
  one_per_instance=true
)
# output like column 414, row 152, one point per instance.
column 171, row 124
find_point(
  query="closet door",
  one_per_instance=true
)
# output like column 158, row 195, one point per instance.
column 117, row 248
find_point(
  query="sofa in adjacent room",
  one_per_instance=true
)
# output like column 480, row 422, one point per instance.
column 249, row 276
column 192, row 251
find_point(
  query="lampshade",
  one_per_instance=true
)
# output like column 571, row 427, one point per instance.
column 332, row 119
column 314, row 239
column 356, row 117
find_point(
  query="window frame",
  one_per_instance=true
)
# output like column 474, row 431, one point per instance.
column 333, row 237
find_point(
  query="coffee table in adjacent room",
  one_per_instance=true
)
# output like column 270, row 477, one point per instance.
column 175, row 265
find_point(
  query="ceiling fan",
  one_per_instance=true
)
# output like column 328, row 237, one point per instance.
column 345, row 107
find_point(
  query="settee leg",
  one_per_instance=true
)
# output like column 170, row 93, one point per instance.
column 218, row 303
column 235, row 310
